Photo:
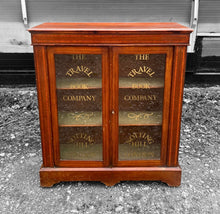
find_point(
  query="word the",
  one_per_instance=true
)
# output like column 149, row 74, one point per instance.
column 142, row 56
column 78, row 56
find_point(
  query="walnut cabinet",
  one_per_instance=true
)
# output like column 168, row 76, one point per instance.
column 110, row 100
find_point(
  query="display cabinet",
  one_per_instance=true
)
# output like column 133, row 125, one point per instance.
column 110, row 100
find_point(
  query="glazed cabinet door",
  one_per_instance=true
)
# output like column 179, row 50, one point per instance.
column 140, row 105
column 79, row 88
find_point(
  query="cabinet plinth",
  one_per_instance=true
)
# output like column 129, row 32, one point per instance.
column 110, row 100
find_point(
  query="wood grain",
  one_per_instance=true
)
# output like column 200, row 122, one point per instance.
column 110, row 40
column 111, row 176
column 165, row 27
column 42, row 80
column 105, row 104
column 166, row 101
column 178, row 75
column 110, row 33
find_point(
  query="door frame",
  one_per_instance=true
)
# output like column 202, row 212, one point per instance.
column 105, row 104
column 114, row 91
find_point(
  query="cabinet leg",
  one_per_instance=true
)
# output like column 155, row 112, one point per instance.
column 47, row 183
column 46, row 179
column 173, row 180
column 172, row 183
column 110, row 182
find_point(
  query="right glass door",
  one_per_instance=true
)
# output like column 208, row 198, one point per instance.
column 141, row 106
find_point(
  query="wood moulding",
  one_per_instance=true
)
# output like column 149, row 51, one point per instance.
column 110, row 176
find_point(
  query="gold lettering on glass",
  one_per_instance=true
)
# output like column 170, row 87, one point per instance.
column 80, row 86
column 81, row 116
column 80, row 98
column 140, row 97
column 142, row 56
column 79, row 69
column 140, row 86
column 141, row 70
column 82, row 140
column 140, row 154
column 78, row 56
column 139, row 139
column 139, row 116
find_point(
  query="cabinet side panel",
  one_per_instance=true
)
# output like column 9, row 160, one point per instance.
column 44, row 104
column 178, row 76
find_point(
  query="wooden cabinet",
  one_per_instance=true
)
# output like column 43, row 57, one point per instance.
column 110, row 99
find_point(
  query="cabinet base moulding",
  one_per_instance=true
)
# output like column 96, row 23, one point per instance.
column 110, row 176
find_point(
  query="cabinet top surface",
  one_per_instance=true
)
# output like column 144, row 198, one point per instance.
column 114, row 27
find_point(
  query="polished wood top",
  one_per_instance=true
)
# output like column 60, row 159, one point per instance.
column 113, row 27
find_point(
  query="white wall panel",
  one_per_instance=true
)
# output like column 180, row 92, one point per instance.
column 13, row 35
column 210, row 46
column 209, row 16
column 109, row 10
column 15, row 38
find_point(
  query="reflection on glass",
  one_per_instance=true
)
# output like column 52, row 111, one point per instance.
column 80, row 143
column 139, row 142
column 79, row 103
column 141, row 87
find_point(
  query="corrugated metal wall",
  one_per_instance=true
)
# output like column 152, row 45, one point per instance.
column 209, row 16
column 15, row 38
column 210, row 46
column 209, row 21
column 13, row 35
column 109, row 11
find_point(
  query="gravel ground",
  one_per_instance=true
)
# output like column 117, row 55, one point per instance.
column 20, row 160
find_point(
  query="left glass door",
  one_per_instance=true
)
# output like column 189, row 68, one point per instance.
column 79, row 99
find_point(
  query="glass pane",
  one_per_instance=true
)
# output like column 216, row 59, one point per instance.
column 139, row 142
column 79, row 103
column 80, row 143
column 141, row 88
